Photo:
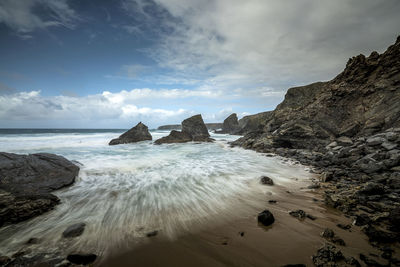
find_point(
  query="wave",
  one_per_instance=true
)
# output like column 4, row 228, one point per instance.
column 125, row 191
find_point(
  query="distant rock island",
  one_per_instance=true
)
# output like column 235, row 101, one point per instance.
column 193, row 129
column 231, row 124
column 138, row 133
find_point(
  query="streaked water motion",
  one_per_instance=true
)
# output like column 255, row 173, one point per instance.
column 125, row 191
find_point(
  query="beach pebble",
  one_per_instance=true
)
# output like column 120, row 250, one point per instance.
column 266, row 218
column 82, row 259
column 300, row 214
column 266, row 180
column 74, row 230
column 151, row 234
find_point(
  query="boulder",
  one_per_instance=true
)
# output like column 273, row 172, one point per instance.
column 15, row 208
column 26, row 182
column 266, row 180
column 374, row 141
column 299, row 214
column 331, row 236
column 4, row 260
column 328, row 233
column 266, row 218
column 74, row 230
column 35, row 173
column 138, row 133
column 152, row 233
column 344, row 141
column 193, row 129
column 389, row 145
column 328, row 255
column 81, row 258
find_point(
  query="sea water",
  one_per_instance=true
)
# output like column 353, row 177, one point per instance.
column 125, row 191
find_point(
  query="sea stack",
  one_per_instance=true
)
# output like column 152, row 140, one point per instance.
column 193, row 129
column 230, row 125
column 138, row 133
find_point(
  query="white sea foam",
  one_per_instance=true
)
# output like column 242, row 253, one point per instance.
column 124, row 191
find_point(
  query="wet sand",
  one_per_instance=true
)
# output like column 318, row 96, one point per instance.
column 287, row 241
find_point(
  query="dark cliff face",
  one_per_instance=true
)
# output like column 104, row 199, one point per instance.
column 362, row 100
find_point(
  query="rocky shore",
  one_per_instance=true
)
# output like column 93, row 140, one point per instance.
column 25, row 192
column 349, row 130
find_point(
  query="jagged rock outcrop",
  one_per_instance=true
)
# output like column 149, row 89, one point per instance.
column 348, row 129
column 138, row 133
column 230, row 125
column 26, row 182
column 174, row 137
column 362, row 100
column 253, row 123
column 193, row 129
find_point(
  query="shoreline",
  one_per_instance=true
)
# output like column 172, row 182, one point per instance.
column 245, row 242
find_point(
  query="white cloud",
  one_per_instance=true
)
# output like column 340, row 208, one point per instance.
column 136, row 94
column 123, row 108
column 20, row 15
column 119, row 109
column 107, row 106
column 258, row 43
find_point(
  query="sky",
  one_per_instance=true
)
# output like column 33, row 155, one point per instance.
column 111, row 64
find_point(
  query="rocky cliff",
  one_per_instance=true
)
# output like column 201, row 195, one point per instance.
column 362, row 100
column 348, row 129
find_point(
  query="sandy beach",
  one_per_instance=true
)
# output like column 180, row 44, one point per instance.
column 245, row 242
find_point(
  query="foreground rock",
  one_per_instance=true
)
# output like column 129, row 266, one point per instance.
column 329, row 255
column 330, row 235
column 74, row 230
column 193, row 129
column 15, row 208
column 266, row 180
column 35, row 173
column 138, row 133
column 81, row 259
column 266, row 218
column 26, row 182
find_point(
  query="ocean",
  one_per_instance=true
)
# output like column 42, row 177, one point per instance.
column 126, row 191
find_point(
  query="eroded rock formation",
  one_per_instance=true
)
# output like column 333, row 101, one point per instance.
column 138, row 133
column 193, row 129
